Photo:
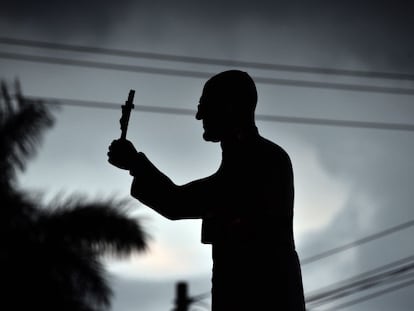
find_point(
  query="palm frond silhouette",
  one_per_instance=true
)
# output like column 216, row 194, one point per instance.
column 50, row 256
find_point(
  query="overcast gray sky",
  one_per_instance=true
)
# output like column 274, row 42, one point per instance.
column 350, row 182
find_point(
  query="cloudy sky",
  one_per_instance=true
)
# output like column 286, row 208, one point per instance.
column 350, row 182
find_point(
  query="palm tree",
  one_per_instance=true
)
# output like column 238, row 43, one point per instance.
column 50, row 256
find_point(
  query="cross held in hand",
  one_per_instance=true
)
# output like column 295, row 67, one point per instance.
column 126, row 112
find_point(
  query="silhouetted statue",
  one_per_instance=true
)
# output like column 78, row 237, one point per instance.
column 246, row 206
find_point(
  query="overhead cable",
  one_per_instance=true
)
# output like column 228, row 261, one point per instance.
column 204, row 75
column 259, row 117
column 358, row 242
column 399, row 272
column 205, row 60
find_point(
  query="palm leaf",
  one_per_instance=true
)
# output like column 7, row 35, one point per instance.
column 49, row 274
column 51, row 255
column 22, row 124
column 52, row 276
column 102, row 226
column 17, row 213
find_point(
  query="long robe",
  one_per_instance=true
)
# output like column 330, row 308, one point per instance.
column 247, row 213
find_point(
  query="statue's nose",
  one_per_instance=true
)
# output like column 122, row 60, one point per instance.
column 198, row 115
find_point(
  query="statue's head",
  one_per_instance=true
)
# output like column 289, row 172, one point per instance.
column 227, row 104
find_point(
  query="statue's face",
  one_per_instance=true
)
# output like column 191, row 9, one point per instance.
column 214, row 116
column 215, row 113
column 226, row 105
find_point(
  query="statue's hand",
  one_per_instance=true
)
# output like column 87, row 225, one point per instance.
column 122, row 154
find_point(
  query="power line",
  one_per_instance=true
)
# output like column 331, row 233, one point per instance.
column 364, row 240
column 205, row 60
column 378, row 270
column 104, row 65
column 259, row 117
column 401, row 281
column 381, row 280
column 204, row 75
column 373, row 295
column 395, row 272
column 338, row 123
column 362, row 281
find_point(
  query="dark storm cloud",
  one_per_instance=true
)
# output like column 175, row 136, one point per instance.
column 377, row 32
column 57, row 18
column 377, row 168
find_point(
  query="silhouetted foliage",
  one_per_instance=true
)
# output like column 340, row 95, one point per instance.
column 50, row 255
column 22, row 123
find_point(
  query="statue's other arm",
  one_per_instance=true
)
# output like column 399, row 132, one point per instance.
column 154, row 189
